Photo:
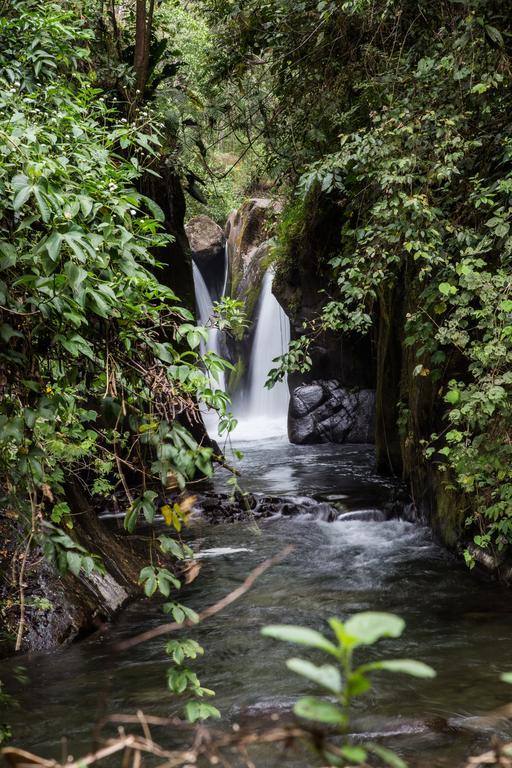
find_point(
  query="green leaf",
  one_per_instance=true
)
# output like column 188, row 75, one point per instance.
column 301, row 635
column 198, row 710
column 130, row 519
column 494, row 35
column 358, row 683
column 326, row 676
column 353, row 753
column 52, row 245
column 321, row 711
column 452, row 396
column 386, row 755
column 406, row 666
column 8, row 258
column 44, row 209
column 368, row 627
column 506, row 677
column 21, row 197
column 88, row 565
column 447, row 290
column 59, row 511
column 74, row 562
column 150, row 586
column 76, row 276
column 172, row 547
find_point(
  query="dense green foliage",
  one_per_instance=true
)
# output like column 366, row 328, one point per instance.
column 101, row 375
column 400, row 112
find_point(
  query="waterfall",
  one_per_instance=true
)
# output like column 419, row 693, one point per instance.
column 204, row 311
column 261, row 412
column 265, row 410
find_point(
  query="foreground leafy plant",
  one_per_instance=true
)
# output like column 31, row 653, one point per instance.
column 341, row 680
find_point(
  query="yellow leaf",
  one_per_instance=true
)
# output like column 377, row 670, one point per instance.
column 176, row 515
column 167, row 513
column 187, row 504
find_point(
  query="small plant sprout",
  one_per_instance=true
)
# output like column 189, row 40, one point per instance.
column 342, row 681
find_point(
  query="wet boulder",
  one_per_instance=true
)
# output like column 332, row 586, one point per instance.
column 326, row 412
column 206, row 239
column 248, row 230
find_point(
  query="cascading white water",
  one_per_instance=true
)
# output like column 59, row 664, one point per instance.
column 205, row 310
column 262, row 412
column 265, row 410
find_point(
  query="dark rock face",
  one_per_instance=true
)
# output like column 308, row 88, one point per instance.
column 175, row 256
column 206, row 239
column 80, row 605
column 326, row 412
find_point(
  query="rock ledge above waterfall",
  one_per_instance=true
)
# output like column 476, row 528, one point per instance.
column 206, row 238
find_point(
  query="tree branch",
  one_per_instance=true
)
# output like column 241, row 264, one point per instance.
column 165, row 629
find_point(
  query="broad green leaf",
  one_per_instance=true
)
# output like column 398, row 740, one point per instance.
column 76, row 276
column 452, row 396
column 150, row 586
column 42, row 204
column 88, row 565
column 130, row 519
column 386, row 755
column 506, row 677
column 74, row 561
column 299, row 635
column 312, row 708
column 148, row 510
column 8, row 257
column 326, row 675
column 368, row 627
column 172, row 547
column 53, row 244
column 198, row 710
column 21, row 197
column 406, row 666
column 353, row 753
column 447, row 290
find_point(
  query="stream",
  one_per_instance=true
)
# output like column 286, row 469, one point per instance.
column 457, row 624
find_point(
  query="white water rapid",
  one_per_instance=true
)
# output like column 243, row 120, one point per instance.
column 265, row 411
column 204, row 303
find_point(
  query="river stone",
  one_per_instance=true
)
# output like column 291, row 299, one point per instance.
column 326, row 412
column 206, row 238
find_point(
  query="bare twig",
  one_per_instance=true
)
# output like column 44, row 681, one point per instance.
column 165, row 629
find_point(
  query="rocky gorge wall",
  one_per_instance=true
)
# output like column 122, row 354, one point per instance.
column 362, row 389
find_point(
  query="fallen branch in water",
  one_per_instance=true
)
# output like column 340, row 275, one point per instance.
column 165, row 629
column 206, row 744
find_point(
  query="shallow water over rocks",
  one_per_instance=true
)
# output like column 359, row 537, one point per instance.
column 362, row 560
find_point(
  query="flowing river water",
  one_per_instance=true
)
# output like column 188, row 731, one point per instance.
column 457, row 624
